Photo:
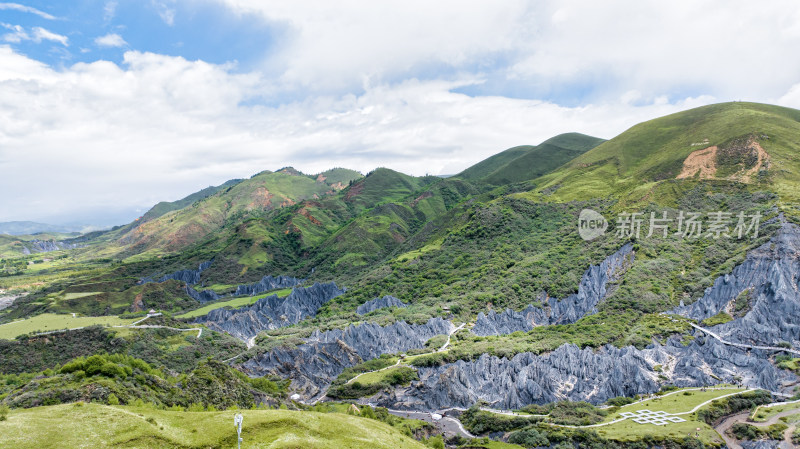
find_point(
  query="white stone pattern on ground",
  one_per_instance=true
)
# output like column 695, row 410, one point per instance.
column 650, row 417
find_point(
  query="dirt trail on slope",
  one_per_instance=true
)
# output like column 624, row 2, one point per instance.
column 732, row 443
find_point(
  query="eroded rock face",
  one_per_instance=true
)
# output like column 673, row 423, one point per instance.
column 266, row 284
column 764, row 444
column 592, row 289
column 315, row 364
column 766, row 286
column 202, row 296
column 271, row 312
column 379, row 303
column 190, row 277
column 46, row 246
column 582, row 375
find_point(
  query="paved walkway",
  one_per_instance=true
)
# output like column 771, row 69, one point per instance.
column 134, row 325
column 444, row 346
column 742, row 345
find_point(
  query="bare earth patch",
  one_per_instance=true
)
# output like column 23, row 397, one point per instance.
column 704, row 161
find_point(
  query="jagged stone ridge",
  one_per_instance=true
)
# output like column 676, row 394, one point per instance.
column 190, row 277
column 271, row 312
column 379, row 303
column 592, row 289
column 46, row 246
column 202, row 296
column 584, row 375
column 314, row 365
column 766, row 284
column 267, row 283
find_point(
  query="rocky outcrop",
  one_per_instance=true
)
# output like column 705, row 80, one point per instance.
column 266, row 284
column 371, row 340
column 764, row 444
column 202, row 296
column 190, row 277
column 7, row 301
column 592, row 289
column 46, row 246
column 582, row 375
column 763, row 290
column 379, row 303
column 271, row 312
column 315, row 364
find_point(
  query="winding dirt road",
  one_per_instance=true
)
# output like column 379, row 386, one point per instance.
column 733, row 443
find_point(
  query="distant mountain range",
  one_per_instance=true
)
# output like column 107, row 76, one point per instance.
column 32, row 227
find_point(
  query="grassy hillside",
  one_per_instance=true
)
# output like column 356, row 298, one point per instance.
column 263, row 192
column 101, row 426
column 543, row 159
column 168, row 206
column 485, row 167
column 526, row 162
column 646, row 162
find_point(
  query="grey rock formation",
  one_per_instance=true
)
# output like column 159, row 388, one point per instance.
column 379, row 303
column 315, row 364
column 266, row 284
column 582, row 375
column 46, row 246
column 271, row 312
column 592, row 289
column 190, row 277
column 202, row 296
column 764, row 444
column 769, row 279
column 7, row 301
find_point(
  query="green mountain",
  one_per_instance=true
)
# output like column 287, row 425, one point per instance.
column 32, row 227
column 527, row 162
column 750, row 144
column 232, row 205
column 169, row 206
column 492, row 256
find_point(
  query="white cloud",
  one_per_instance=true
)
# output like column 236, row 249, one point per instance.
column 40, row 34
column 791, row 98
column 367, row 84
column 160, row 127
column 109, row 11
column 37, row 34
column 337, row 43
column 609, row 48
column 165, row 11
column 17, row 35
column 28, row 9
column 110, row 40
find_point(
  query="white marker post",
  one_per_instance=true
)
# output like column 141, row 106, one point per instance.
column 237, row 421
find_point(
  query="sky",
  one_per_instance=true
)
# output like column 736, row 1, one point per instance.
column 108, row 107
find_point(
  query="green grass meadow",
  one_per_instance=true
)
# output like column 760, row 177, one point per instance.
column 101, row 426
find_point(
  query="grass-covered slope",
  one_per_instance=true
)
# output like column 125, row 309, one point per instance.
column 485, row 167
column 253, row 197
column 649, row 161
column 526, row 162
column 101, row 426
column 168, row 206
